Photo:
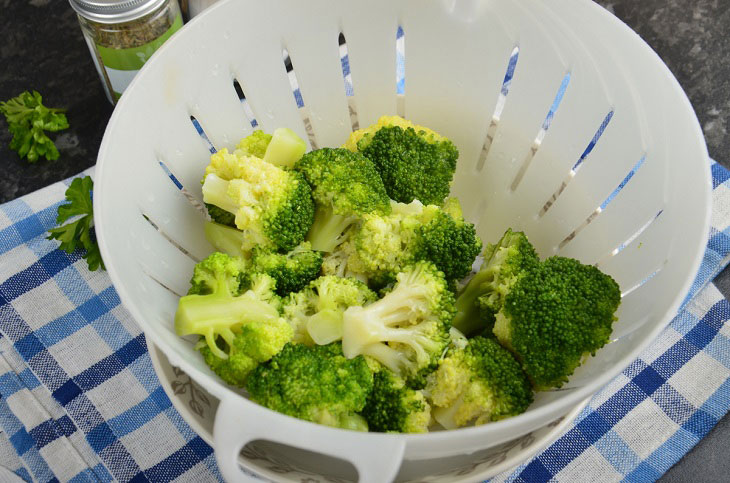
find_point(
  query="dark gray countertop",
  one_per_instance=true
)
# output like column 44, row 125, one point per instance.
column 43, row 49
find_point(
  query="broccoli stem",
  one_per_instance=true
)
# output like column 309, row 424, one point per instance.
column 326, row 231
column 211, row 315
column 215, row 192
column 467, row 311
column 225, row 239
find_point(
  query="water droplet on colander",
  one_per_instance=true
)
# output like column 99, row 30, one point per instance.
column 227, row 34
column 178, row 152
column 215, row 70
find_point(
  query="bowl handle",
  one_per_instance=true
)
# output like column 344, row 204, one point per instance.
column 376, row 457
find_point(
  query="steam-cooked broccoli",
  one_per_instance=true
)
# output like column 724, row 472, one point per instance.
column 272, row 206
column 315, row 383
column 414, row 161
column 345, row 186
column 478, row 383
column 394, row 407
column 223, row 298
column 408, row 329
column 385, row 244
column 315, row 312
column 504, row 264
column 555, row 316
column 292, row 271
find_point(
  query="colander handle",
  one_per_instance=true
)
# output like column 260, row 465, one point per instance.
column 377, row 457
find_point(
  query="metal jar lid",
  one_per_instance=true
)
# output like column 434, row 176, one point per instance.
column 114, row 11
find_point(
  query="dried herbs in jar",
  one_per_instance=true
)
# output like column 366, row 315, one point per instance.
column 123, row 34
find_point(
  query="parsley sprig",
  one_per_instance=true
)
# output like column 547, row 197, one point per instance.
column 78, row 233
column 28, row 119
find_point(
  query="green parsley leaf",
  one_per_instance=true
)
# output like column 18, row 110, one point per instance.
column 78, row 233
column 28, row 119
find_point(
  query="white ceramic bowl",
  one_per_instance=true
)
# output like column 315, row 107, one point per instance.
column 636, row 201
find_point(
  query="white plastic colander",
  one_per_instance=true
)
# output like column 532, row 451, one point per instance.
column 633, row 197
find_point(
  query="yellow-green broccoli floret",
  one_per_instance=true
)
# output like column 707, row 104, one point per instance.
column 316, row 312
column 223, row 298
column 479, row 383
column 314, row 383
column 408, row 329
column 394, row 407
column 254, row 144
column 345, row 186
column 555, row 316
column 504, row 264
column 414, row 162
column 272, row 206
column 292, row 271
column 384, row 244
column 254, row 343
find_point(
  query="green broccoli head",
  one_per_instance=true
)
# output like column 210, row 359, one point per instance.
column 272, row 206
column 504, row 264
column 394, row 407
column 414, row 162
column 316, row 312
column 408, row 329
column 413, row 232
column 481, row 382
column 292, row 271
column 221, row 216
column 345, row 186
column 314, row 383
column 254, row 343
column 254, row 144
column 556, row 316
column 223, row 298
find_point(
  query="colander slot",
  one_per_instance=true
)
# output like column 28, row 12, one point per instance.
column 244, row 103
column 347, row 78
column 630, row 239
column 605, row 203
column 178, row 184
column 643, row 281
column 201, row 132
column 501, row 100
column 152, row 277
column 574, row 170
column 167, row 237
column 541, row 134
column 400, row 70
column 298, row 98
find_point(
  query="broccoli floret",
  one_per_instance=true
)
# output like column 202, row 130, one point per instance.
column 221, row 216
column 292, row 271
column 345, row 186
column 481, row 382
column 408, row 329
column 315, row 383
column 285, row 148
column 505, row 262
column 394, row 407
column 555, row 316
column 254, row 144
column 414, row 162
column 272, row 206
column 316, row 312
column 254, row 343
column 385, row 244
column 222, row 298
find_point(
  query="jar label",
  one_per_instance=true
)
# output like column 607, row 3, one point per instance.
column 122, row 64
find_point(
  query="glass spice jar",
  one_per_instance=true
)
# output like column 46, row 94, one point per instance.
column 123, row 34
